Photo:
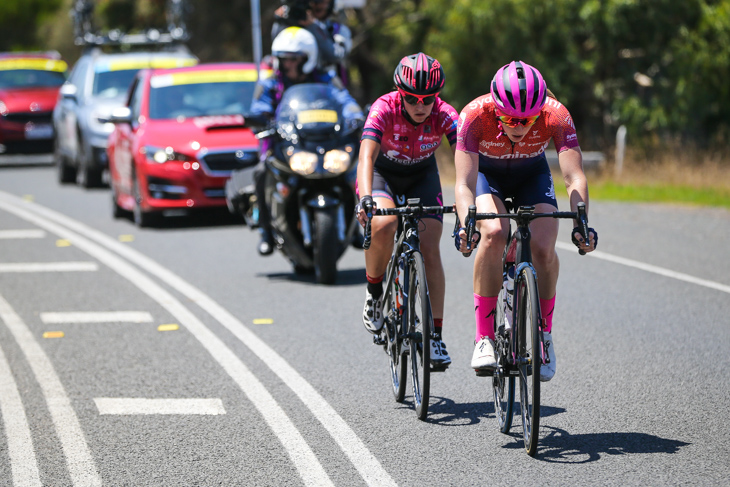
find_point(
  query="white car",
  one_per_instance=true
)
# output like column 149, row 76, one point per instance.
column 97, row 84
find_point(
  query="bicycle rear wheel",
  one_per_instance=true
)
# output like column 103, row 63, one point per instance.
column 419, row 333
column 503, row 384
column 394, row 326
column 529, row 355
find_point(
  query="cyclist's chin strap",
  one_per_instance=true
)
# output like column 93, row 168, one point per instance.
column 501, row 130
column 408, row 117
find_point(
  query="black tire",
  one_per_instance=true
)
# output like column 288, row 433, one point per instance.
column 529, row 355
column 419, row 333
column 66, row 173
column 87, row 176
column 326, row 246
column 503, row 383
column 392, row 334
column 142, row 218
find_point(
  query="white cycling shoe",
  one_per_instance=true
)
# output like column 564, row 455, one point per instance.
column 483, row 359
column 547, row 371
column 372, row 313
column 440, row 359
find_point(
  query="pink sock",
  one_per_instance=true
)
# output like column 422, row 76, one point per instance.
column 547, row 306
column 484, row 308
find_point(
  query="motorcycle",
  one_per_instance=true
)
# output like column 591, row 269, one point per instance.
column 314, row 143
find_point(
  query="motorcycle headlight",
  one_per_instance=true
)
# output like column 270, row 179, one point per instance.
column 337, row 161
column 303, row 163
column 162, row 155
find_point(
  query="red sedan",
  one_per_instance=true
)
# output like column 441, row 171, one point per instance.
column 29, row 84
column 179, row 138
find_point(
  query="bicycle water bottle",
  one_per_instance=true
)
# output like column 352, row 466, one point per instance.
column 509, row 292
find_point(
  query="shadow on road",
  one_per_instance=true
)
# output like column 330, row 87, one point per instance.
column 345, row 277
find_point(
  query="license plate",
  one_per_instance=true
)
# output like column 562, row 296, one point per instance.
column 34, row 131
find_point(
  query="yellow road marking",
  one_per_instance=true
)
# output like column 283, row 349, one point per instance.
column 169, row 327
column 28, row 197
column 53, row 334
column 126, row 238
column 62, row 242
column 263, row 321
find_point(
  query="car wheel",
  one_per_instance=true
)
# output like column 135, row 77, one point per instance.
column 66, row 173
column 142, row 218
column 87, row 175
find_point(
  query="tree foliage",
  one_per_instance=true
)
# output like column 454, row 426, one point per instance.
column 660, row 67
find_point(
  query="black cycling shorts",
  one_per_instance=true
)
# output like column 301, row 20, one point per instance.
column 420, row 181
column 527, row 184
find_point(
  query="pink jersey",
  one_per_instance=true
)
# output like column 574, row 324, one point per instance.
column 400, row 141
column 479, row 133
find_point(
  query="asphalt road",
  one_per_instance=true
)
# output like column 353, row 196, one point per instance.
column 205, row 364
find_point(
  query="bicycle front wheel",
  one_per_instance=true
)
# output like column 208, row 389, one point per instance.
column 419, row 333
column 503, row 383
column 529, row 355
column 394, row 327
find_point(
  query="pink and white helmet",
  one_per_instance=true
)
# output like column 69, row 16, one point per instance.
column 518, row 90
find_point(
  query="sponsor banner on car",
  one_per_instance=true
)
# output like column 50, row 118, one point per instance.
column 37, row 64
column 317, row 116
column 129, row 64
column 203, row 77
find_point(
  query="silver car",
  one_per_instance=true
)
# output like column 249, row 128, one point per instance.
column 98, row 83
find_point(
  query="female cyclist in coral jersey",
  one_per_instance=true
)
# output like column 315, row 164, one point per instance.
column 403, row 130
column 500, row 152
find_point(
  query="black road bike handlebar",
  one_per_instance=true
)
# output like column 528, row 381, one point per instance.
column 523, row 216
column 410, row 210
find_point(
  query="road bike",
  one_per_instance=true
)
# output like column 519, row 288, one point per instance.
column 408, row 323
column 519, row 343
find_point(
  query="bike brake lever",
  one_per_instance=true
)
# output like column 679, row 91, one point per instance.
column 583, row 224
column 470, row 227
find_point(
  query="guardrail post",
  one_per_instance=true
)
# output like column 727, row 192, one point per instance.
column 620, row 149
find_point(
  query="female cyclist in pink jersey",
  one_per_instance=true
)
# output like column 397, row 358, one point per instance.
column 500, row 153
column 403, row 130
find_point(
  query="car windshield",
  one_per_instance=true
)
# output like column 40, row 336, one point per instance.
column 200, row 99
column 112, row 84
column 30, row 78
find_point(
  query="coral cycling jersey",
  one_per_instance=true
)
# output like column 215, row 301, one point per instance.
column 402, row 144
column 479, row 132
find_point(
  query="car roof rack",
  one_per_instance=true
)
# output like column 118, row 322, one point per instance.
column 86, row 35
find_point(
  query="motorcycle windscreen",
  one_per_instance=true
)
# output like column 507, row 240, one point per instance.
column 312, row 108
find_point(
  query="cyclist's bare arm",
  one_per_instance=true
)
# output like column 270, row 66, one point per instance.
column 576, row 183
column 467, row 170
column 369, row 150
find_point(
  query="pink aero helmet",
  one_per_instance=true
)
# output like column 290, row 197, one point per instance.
column 419, row 74
column 518, row 90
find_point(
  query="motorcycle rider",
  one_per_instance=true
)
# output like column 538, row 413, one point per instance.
column 295, row 52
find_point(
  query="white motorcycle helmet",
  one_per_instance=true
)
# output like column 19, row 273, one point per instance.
column 296, row 41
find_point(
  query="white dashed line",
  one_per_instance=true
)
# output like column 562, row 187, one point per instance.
column 97, row 317
column 11, row 234
column 49, row 267
column 130, row 406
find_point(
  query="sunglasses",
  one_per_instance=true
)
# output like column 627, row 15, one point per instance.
column 513, row 122
column 414, row 99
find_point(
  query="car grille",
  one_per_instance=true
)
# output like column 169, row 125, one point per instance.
column 28, row 117
column 222, row 163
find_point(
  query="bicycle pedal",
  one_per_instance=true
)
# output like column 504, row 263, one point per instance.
column 484, row 372
column 377, row 340
column 439, row 367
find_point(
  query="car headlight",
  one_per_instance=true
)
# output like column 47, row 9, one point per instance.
column 337, row 161
column 303, row 163
column 166, row 154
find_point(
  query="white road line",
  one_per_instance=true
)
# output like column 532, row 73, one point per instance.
column 23, row 463
column 134, row 405
column 49, row 267
column 649, row 268
column 352, row 446
column 97, row 317
column 8, row 234
column 301, row 455
column 78, row 457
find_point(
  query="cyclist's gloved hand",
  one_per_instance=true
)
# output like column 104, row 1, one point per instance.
column 364, row 209
column 578, row 239
column 460, row 240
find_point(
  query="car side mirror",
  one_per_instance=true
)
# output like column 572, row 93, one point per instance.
column 69, row 92
column 120, row 115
